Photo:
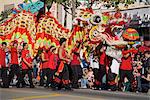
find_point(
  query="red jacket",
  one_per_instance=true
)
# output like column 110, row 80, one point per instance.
column 45, row 64
column 126, row 64
column 2, row 57
column 25, row 55
column 102, row 58
column 75, row 60
column 14, row 56
column 52, row 63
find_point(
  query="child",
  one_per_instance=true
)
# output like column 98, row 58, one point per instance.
column 90, row 77
column 84, row 80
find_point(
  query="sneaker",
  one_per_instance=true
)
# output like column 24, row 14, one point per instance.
column 83, row 87
column 5, row 86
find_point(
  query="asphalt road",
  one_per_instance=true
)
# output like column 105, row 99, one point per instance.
column 41, row 93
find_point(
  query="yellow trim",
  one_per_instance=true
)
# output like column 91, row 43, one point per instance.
column 38, row 97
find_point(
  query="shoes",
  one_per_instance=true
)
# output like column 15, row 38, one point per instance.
column 32, row 86
column 53, row 89
column 75, row 86
column 5, row 86
column 83, row 87
column 68, row 89
column 18, row 86
column 46, row 86
column 41, row 85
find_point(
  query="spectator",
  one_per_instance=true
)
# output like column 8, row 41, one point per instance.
column 146, row 81
column 95, row 66
column 138, row 71
column 90, row 78
column 146, row 73
column 84, row 80
column 146, row 62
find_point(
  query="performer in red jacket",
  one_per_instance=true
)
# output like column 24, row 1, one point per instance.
column 3, row 67
column 126, row 68
column 14, row 68
column 53, row 63
column 75, row 65
column 27, row 64
column 62, row 74
column 45, row 68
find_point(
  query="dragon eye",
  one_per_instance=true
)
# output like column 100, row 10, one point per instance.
column 96, row 19
column 95, row 33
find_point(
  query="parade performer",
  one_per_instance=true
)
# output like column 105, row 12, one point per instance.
column 27, row 64
column 75, row 65
column 102, row 63
column 62, row 74
column 14, row 68
column 53, row 62
column 3, row 67
column 45, row 69
column 126, row 68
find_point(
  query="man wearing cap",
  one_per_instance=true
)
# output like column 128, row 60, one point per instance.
column 14, row 68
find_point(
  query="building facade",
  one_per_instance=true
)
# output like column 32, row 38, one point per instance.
column 8, row 4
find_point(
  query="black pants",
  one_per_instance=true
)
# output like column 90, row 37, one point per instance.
column 5, row 78
column 102, row 72
column 64, row 75
column 52, row 72
column 45, row 72
column 63, row 78
column 29, row 73
column 129, row 75
column 15, row 70
column 96, row 72
column 76, row 74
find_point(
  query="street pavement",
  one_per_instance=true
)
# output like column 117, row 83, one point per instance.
column 40, row 93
